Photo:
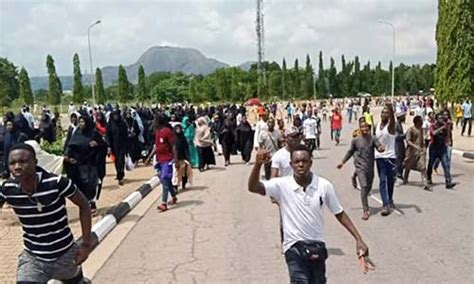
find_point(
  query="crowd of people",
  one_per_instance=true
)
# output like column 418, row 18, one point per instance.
column 181, row 137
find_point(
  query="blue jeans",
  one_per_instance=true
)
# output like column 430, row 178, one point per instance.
column 165, row 171
column 387, row 169
column 438, row 161
column 442, row 155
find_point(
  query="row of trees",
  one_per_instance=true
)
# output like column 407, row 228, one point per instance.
column 455, row 54
column 226, row 84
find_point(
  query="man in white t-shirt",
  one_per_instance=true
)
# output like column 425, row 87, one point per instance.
column 281, row 159
column 311, row 130
column 301, row 197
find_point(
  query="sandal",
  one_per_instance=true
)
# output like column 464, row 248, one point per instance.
column 365, row 217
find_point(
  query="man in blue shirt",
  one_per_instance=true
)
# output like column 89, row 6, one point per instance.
column 467, row 107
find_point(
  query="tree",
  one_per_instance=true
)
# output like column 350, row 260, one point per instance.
column 99, row 87
column 284, row 81
column 455, row 57
column 9, row 83
column 309, row 80
column 296, row 80
column 123, row 85
column 356, row 80
column 26, row 94
column 141, row 88
column 55, row 88
column 332, row 72
column 321, row 75
column 77, row 89
column 235, row 93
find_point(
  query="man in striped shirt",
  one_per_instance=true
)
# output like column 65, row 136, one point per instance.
column 39, row 200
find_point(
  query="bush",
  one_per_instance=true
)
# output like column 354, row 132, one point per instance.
column 55, row 148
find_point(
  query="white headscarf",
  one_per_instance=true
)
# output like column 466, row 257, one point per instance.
column 139, row 121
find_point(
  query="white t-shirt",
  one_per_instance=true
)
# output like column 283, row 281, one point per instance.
column 386, row 139
column 302, row 211
column 281, row 161
column 310, row 128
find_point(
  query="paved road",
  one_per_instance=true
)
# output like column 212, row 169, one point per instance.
column 220, row 233
column 11, row 242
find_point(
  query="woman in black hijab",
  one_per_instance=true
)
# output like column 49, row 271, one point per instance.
column 245, row 139
column 81, row 158
column 47, row 128
column 116, row 135
column 133, row 143
column 183, row 172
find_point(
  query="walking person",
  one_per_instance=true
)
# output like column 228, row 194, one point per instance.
column 310, row 131
column 227, row 139
column 183, row 172
column 101, row 127
column 166, row 153
column 439, row 150
column 203, row 141
column 301, row 197
column 133, row 143
column 458, row 113
column 369, row 118
column 38, row 198
column 400, row 143
column 449, row 140
column 281, row 159
column 362, row 149
column 12, row 137
column 245, row 139
column 336, row 125
column 116, row 135
column 386, row 161
column 190, row 133
column 467, row 117
column 270, row 139
column 81, row 159
column 415, row 158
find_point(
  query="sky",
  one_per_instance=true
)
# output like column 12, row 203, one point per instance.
column 224, row 30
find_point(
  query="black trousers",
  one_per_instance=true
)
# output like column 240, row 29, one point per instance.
column 120, row 164
column 305, row 271
column 227, row 150
column 246, row 150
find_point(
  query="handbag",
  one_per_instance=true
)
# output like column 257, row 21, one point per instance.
column 129, row 165
column 312, row 250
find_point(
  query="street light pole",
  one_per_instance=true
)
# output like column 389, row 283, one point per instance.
column 393, row 54
column 90, row 59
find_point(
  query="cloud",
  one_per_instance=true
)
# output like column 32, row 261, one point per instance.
column 225, row 30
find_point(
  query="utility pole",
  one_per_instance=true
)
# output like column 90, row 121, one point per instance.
column 393, row 53
column 90, row 59
column 260, row 43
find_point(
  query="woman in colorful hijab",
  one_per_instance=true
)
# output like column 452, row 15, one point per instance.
column 190, row 132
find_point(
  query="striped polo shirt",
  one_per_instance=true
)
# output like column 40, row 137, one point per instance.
column 43, row 215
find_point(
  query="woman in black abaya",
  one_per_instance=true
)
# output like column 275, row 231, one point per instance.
column 81, row 158
column 116, row 135
column 245, row 139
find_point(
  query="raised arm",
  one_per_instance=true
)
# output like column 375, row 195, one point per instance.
column 254, row 184
column 391, row 119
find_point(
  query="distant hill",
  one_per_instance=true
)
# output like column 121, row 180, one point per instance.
column 247, row 65
column 155, row 59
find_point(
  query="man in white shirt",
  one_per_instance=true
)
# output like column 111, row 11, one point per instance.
column 259, row 127
column 467, row 117
column 281, row 159
column 301, row 197
column 270, row 140
column 28, row 116
column 311, row 131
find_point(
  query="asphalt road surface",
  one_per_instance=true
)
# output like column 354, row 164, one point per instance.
column 221, row 233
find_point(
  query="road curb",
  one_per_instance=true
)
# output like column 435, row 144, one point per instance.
column 102, row 228
column 464, row 154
